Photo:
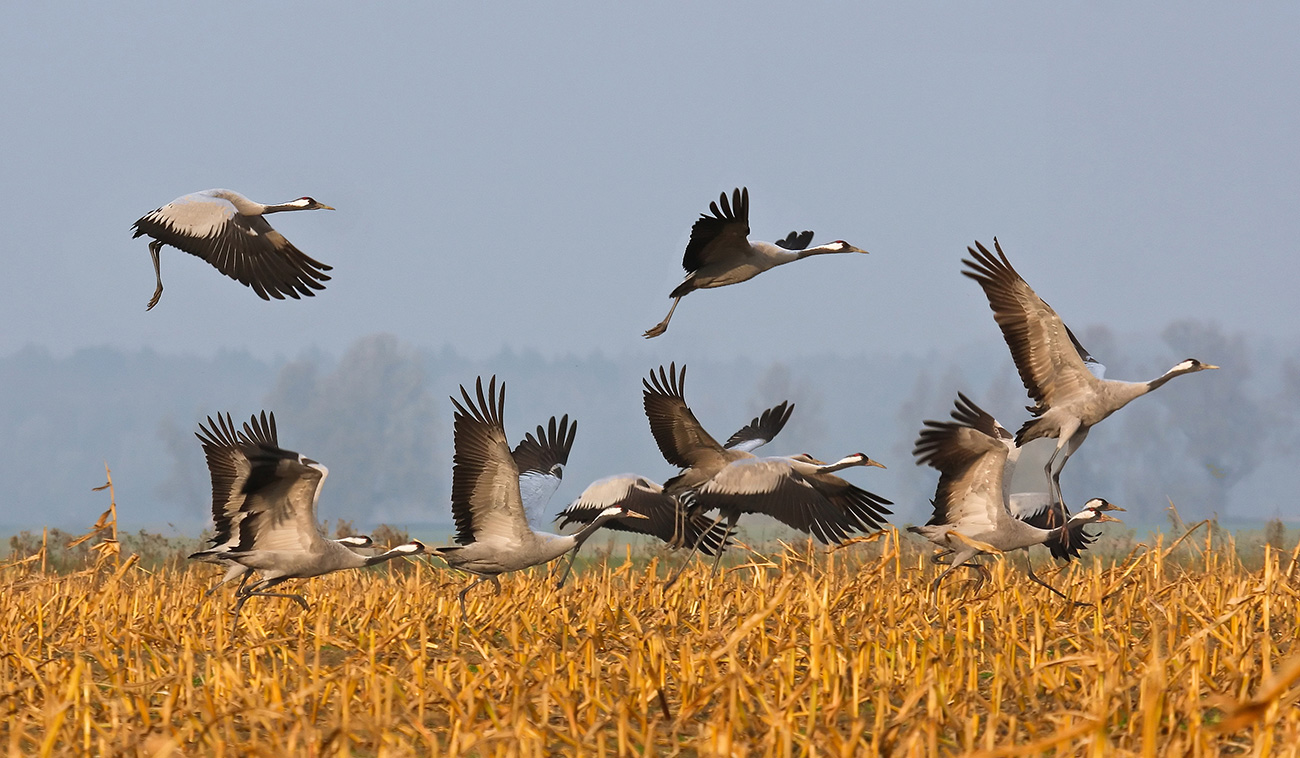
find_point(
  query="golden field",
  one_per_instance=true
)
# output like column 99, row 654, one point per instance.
column 1187, row 652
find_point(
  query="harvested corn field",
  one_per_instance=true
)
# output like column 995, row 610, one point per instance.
column 1186, row 651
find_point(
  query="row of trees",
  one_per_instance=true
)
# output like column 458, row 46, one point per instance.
column 378, row 417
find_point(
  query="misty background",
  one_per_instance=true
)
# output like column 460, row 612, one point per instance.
column 516, row 185
column 1217, row 444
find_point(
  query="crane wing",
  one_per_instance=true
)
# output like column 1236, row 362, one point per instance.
column 722, row 236
column 796, row 240
column 1045, row 353
column 1094, row 366
column 244, row 248
column 229, row 470
column 971, row 464
column 682, row 440
column 772, row 487
column 263, row 495
column 664, row 516
column 485, row 498
column 762, row 429
column 541, row 460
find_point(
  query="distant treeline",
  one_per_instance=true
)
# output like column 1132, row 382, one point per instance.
column 378, row 416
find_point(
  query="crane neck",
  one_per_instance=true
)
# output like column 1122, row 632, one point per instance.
column 819, row 250
column 410, row 548
column 582, row 534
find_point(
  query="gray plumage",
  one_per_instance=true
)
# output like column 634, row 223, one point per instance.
column 492, row 532
column 231, row 232
column 799, row 491
column 264, row 510
column 244, row 573
column 541, row 460
column 666, row 519
column 971, row 505
column 1061, row 377
column 720, row 252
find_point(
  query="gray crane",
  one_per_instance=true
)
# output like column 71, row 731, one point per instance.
column 492, row 532
column 799, row 491
column 720, row 252
column 230, row 231
column 243, row 573
column 1070, row 398
column 666, row 519
column 264, row 509
column 971, row 504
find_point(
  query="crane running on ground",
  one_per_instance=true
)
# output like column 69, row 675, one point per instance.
column 972, row 514
column 264, row 510
column 492, row 532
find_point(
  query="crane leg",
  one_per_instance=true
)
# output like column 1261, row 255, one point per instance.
column 731, row 524
column 573, row 556
column 258, row 589
column 474, row 584
column 154, row 248
column 938, row 558
column 1029, row 566
column 691, row 554
column 243, row 579
column 662, row 326
column 959, row 559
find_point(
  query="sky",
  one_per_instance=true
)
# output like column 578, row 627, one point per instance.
column 526, row 175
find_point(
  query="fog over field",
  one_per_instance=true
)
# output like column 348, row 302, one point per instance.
column 378, row 416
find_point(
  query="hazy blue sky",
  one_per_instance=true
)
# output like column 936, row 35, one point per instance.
column 527, row 175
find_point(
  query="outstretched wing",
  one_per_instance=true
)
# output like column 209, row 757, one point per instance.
column 762, row 429
column 485, row 499
column 1045, row 353
column 244, row 248
column 682, row 440
column 796, row 240
column 665, row 518
column 971, row 463
column 541, row 460
column 722, row 236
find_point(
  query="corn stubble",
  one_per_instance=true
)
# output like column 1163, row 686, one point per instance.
column 838, row 654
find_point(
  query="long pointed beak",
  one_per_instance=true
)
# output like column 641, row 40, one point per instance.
column 325, row 207
column 634, row 514
column 1208, row 365
column 853, row 249
column 1108, row 517
column 877, row 464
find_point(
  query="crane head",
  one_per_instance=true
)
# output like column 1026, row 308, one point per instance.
column 623, row 511
column 1094, row 511
column 310, row 204
column 840, row 246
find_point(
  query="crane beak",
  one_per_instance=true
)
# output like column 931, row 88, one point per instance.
column 877, row 464
column 1208, row 365
column 324, row 207
column 634, row 514
column 853, row 249
column 1107, row 517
